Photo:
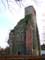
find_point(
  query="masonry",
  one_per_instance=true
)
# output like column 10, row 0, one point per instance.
column 24, row 38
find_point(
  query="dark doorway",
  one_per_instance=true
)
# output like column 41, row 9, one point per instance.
column 19, row 52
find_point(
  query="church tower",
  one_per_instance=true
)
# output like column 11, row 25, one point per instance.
column 32, row 35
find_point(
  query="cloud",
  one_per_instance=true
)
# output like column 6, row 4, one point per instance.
column 4, row 35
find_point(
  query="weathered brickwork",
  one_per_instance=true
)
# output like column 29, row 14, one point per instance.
column 23, row 38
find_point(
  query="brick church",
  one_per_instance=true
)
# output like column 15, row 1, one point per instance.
column 24, row 38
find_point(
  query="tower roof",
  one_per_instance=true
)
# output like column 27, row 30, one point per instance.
column 30, row 10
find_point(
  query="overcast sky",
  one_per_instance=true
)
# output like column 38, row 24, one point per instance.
column 10, row 17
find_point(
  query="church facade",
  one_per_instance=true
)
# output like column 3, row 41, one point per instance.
column 24, row 38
